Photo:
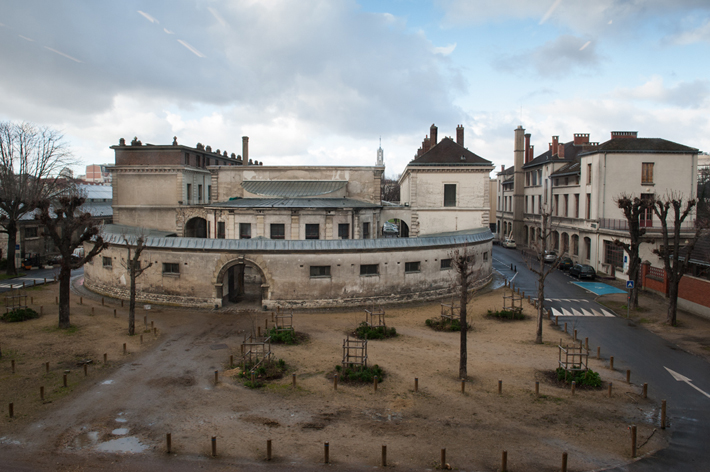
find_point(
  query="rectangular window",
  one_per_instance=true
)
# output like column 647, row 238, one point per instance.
column 31, row 232
column 278, row 231
column 646, row 173
column 312, row 231
column 209, row 193
column 108, row 262
column 344, row 231
column 199, row 193
column 320, row 271
column 244, row 230
column 221, row 232
column 557, row 205
column 587, row 248
column 170, row 268
column 446, row 264
column 539, row 177
column 412, row 266
column 527, row 179
column 539, row 204
column 589, row 174
column 526, row 203
column 485, row 256
column 189, row 193
column 369, row 269
column 366, row 230
column 589, row 206
column 566, row 205
column 613, row 254
column 534, row 178
column 575, row 245
column 576, row 205
column 449, row 195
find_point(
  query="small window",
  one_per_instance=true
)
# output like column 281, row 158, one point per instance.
column 366, row 230
column 412, row 266
column 320, row 271
column 647, row 173
column 199, row 193
column 189, row 193
column 446, row 263
column 209, row 193
column 221, row 232
column 312, row 231
column 278, row 231
column 485, row 256
column 244, row 230
column 108, row 262
column 171, row 268
column 344, row 231
column 449, row 195
column 589, row 174
column 369, row 269
column 31, row 232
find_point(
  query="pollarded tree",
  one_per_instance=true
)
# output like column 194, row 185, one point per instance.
column 30, row 161
column 634, row 208
column 69, row 228
column 133, row 265
column 463, row 262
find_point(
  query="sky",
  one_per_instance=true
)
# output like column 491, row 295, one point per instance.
column 321, row 82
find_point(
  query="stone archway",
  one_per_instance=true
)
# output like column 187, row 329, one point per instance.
column 241, row 281
column 196, row 228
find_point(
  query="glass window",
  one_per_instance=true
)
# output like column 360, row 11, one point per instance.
column 576, row 205
column 221, row 231
column 344, row 231
column 647, row 173
column 412, row 266
column 589, row 174
column 312, row 231
column 613, row 254
column 278, row 231
column 31, row 232
column 244, row 230
column 366, row 230
column 199, row 193
column 171, row 268
column 320, row 271
column 108, row 262
column 446, row 263
column 369, row 269
column 589, row 206
column 449, row 195
column 587, row 248
column 189, row 192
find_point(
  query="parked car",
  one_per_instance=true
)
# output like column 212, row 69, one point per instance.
column 550, row 256
column 565, row 263
column 509, row 243
column 583, row 271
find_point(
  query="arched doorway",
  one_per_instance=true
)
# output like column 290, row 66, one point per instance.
column 241, row 282
column 196, row 228
column 402, row 228
column 556, row 240
column 565, row 243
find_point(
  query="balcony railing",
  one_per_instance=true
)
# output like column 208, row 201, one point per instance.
column 649, row 225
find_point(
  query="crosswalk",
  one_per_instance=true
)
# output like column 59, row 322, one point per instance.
column 576, row 307
column 18, row 283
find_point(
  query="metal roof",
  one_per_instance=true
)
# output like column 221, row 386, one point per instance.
column 293, row 188
column 115, row 229
column 294, row 203
column 310, row 245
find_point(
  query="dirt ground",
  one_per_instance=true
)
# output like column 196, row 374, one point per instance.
column 124, row 408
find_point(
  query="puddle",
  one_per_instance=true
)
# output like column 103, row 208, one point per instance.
column 86, row 439
column 107, row 382
column 129, row 444
column 120, row 431
column 121, row 420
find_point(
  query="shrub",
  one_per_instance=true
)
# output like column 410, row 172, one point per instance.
column 365, row 331
column 283, row 337
column 445, row 324
column 359, row 374
column 19, row 314
column 506, row 315
column 587, row 378
column 267, row 371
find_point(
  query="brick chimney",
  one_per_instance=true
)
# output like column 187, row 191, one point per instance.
column 426, row 144
column 433, row 134
column 245, row 149
column 527, row 148
column 459, row 135
column 561, row 150
column 502, row 167
column 555, row 145
column 624, row 134
column 581, row 138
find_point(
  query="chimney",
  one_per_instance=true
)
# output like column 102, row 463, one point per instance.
column 433, row 133
column 555, row 145
column 459, row 135
column 426, row 145
column 502, row 167
column 561, row 150
column 624, row 134
column 245, row 149
column 581, row 138
column 527, row 148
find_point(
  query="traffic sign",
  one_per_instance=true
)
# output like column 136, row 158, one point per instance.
column 629, row 284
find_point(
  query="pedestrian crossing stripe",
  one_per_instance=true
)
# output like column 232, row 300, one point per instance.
column 574, row 313
column 567, row 300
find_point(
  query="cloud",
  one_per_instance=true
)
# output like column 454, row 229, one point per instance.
column 683, row 94
column 148, row 17
column 445, row 50
column 558, row 58
column 695, row 35
column 190, row 48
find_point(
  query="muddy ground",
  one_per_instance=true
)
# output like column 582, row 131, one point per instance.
column 116, row 418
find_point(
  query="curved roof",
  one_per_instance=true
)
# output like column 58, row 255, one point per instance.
column 294, row 203
column 293, row 188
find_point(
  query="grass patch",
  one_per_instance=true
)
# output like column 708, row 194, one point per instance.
column 19, row 314
column 580, row 378
column 646, row 320
column 360, row 375
column 288, row 336
column 505, row 315
column 72, row 329
column 7, row 277
column 265, row 372
column 365, row 331
column 445, row 324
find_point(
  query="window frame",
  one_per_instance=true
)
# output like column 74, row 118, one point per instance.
column 366, row 230
column 320, row 272
column 366, row 270
column 275, row 234
column 36, row 232
column 167, row 269
column 448, row 202
column 221, row 230
column 105, row 259
column 412, row 267
column 344, row 230
column 241, row 230
column 646, row 169
column 446, row 264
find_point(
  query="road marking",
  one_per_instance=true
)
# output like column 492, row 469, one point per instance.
column 606, row 313
column 556, row 312
column 576, row 313
column 683, row 378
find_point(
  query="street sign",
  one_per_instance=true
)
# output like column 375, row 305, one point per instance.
column 629, row 284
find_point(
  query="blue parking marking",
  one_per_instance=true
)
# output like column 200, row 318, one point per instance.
column 598, row 288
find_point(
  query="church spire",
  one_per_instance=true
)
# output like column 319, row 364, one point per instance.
column 380, row 155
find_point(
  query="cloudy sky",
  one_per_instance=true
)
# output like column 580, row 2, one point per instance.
column 321, row 81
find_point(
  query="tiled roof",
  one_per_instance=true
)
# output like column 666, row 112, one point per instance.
column 571, row 168
column 449, row 153
column 294, row 203
column 641, row 145
column 293, row 188
column 571, row 151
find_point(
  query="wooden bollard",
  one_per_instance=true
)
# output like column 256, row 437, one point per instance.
column 663, row 414
column 102, row 301
column 335, row 382
column 416, row 384
column 114, row 313
column 258, row 331
column 141, row 339
column 11, row 410
column 124, row 348
column 633, row 440
column 168, row 441
column 268, row 449
column 374, row 385
column 574, row 384
column 41, row 310
column 575, row 336
column 500, row 387
column 293, row 380
column 145, row 321
column 326, row 452
column 565, row 327
column 216, row 377
column 586, row 343
column 46, row 367
column 443, row 458
column 537, row 389
column 65, row 380
column 231, row 360
column 41, row 393
column 92, row 311
column 384, row 456
column 504, row 462
column 105, row 358
column 121, row 303
column 12, row 362
column 463, row 385
column 155, row 331
column 611, row 362
column 214, row 446
column 81, row 300
column 645, row 390
column 599, row 352
column 564, row 462
column 86, row 370
column 609, row 389
column 628, row 376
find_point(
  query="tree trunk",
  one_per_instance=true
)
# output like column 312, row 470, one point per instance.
column 64, row 294
column 132, row 304
column 11, row 242
column 672, row 300
column 540, row 312
column 463, row 302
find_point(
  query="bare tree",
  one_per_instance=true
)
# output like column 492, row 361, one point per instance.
column 389, row 190
column 133, row 265
column 633, row 208
column 536, row 263
column 30, row 160
column 675, row 263
column 463, row 262
column 69, row 228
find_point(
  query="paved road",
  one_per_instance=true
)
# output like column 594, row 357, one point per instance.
column 645, row 354
column 34, row 277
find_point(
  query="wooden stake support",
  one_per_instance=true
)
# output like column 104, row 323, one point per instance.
column 609, row 389
column 564, row 462
column 124, row 348
column 645, row 390
column 86, row 370
column 268, row 449
column 443, row 458
column 463, row 385
column 663, row 414
column 375, row 384
column 628, row 376
column 384, row 454
column 335, row 382
column 599, row 352
column 65, row 380
column 574, row 384
column 168, row 441
column 611, row 362
column 633, row 440
column 41, row 393
column 500, row 387
column 105, row 358
column 326, row 452
column 293, row 380
column 537, row 389
column 214, row 446
column 12, row 362
column 11, row 409
column 416, row 385
column 504, row 462
column 216, row 377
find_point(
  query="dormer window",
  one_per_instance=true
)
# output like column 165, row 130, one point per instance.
column 463, row 158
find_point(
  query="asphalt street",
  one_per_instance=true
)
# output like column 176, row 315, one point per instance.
column 33, row 277
column 647, row 356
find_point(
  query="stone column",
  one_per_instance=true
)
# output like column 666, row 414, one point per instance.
column 356, row 224
column 329, row 227
column 260, row 225
column 295, row 229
